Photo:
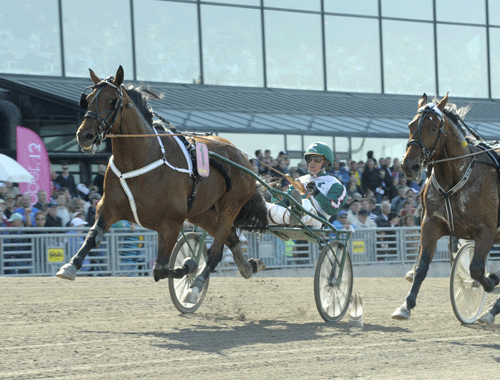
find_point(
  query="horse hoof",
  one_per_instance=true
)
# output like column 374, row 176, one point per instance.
column 494, row 277
column 487, row 318
column 402, row 313
column 190, row 265
column 410, row 275
column 192, row 296
column 67, row 271
column 257, row 265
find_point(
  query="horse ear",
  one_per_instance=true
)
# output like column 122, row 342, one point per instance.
column 94, row 77
column 118, row 77
column 442, row 103
column 422, row 101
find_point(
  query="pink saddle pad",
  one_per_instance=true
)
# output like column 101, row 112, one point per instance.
column 202, row 159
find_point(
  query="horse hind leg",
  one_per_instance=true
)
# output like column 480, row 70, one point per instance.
column 246, row 268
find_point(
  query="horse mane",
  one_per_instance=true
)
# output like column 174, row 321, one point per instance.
column 457, row 115
column 140, row 96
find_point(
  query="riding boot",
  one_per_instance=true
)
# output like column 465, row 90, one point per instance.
column 279, row 215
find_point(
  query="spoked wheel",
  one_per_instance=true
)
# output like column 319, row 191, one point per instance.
column 332, row 292
column 467, row 295
column 191, row 245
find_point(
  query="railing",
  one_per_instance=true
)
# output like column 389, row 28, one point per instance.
column 29, row 251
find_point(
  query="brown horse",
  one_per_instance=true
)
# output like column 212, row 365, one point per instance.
column 148, row 181
column 461, row 195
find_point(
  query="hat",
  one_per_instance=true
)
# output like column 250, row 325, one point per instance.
column 282, row 152
column 357, row 196
column 78, row 222
column 10, row 197
column 2, row 184
column 342, row 212
column 15, row 216
column 2, row 200
column 363, row 212
column 52, row 204
column 95, row 196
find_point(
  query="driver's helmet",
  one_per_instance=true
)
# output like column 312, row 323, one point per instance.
column 319, row 148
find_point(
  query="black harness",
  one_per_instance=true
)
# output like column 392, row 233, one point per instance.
column 429, row 109
column 103, row 124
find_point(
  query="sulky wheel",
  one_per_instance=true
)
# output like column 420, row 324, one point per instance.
column 191, row 245
column 467, row 295
column 332, row 293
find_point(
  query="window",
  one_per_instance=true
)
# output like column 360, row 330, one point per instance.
column 352, row 57
column 293, row 50
column 97, row 37
column 365, row 7
column 408, row 57
column 232, row 55
column 30, row 37
column 462, row 65
column 166, row 41
column 495, row 62
column 303, row 5
column 473, row 12
column 422, row 9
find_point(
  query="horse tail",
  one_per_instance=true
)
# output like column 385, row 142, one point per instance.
column 253, row 215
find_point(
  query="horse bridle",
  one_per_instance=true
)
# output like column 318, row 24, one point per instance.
column 103, row 125
column 429, row 109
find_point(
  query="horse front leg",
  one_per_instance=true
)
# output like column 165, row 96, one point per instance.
column 167, row 237
column 92, row 240
column 428, row 242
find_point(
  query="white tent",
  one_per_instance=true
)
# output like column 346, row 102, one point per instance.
column 12, row 171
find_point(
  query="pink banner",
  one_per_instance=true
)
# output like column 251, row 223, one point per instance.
column 32, row 155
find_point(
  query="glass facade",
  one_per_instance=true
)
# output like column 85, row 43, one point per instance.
column 373, row 46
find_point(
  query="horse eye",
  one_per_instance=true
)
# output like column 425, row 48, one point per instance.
column 112, row 102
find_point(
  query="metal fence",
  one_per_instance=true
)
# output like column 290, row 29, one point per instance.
column 33, row 251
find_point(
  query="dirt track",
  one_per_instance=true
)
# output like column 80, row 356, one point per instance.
column 262, row 328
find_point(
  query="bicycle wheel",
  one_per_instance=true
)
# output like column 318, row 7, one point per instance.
column 467, row 295
column 187, row 246
column 331, row 295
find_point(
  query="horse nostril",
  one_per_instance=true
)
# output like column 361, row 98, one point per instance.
column 89, row 136
column 415, row 168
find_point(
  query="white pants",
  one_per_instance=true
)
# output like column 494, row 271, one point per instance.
column 279, row 215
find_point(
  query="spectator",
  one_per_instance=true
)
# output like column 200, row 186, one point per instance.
column 26, row 210
column 352, row 187
column 383, row 219
column 42, row 200
column 302, row 168
column 94, row 200
column 370, row 179
column 342, row 223
column 83, row 190
column 3, row 190
column 409, row 220
column 352, row 214
column 40, row 219
column 408, row 208
column 386, row 166
column 99, row 178
column 353, row 171
column 12, row 190
column 371, row 207
column 364, row 221
column 340, row 172
column 62, row 209
column 55, row 186
column 268, row 159
column 388, row 190
column 10, row 205
column 78, row 205
column 52, row 220
column 3, row 218
column 66, row 180
column 396, row 169
column 400, row 198
column 13, row 251
column 283, row 155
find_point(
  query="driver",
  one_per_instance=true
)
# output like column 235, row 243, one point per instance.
column 325, row 194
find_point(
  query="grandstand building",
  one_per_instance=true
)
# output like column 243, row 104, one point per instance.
column 348, row 73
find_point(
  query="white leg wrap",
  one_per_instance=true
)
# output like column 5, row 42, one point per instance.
column 279, row 215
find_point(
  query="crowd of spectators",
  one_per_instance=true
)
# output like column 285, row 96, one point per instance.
column 70, row 205
column 379, row 195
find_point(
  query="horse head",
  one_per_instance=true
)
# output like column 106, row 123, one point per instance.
column 103, row 105
column 427, row 136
